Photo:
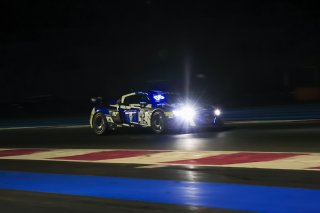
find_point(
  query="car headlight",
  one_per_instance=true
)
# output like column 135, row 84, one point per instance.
column 186, row 112
column 217, row 112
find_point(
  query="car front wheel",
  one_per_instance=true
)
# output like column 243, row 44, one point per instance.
column 158, row 122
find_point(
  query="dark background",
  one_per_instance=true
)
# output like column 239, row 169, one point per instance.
column 55, row 55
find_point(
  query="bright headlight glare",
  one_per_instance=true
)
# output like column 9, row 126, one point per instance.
column 186, row 112
column 177, row 112
column 217, row 112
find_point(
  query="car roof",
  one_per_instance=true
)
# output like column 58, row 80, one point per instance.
column 145, row 92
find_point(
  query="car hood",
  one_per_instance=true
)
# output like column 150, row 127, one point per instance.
column 197, row 108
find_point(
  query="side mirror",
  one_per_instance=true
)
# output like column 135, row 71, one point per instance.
column 143, row 104
column 97, row 101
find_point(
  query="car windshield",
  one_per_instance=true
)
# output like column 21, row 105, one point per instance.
column 172, row 98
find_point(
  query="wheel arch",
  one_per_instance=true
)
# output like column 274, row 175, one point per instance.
column 156, row 110
column 102, row 110
column 96, row 110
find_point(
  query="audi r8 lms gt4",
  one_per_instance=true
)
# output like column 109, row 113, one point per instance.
column 154, row 109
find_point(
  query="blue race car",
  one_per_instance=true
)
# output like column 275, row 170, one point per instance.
column 154, row 109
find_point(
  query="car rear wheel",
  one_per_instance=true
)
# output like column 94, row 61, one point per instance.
column 158, row 122
column 99, row 124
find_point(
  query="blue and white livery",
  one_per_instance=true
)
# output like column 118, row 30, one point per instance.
column 154, row 109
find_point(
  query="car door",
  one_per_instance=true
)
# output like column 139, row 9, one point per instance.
column 131, row 108
column 133, row 113
column 145, row 109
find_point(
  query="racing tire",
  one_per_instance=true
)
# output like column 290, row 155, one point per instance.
column 158, row 122
column 100, row 124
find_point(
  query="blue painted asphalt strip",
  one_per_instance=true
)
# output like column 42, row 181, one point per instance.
column 205, row 194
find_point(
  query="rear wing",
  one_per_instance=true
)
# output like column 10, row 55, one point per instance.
column 100, row 102
column 97, row 101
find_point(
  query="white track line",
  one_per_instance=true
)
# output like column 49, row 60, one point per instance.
column 271, row 121
column 45, row 127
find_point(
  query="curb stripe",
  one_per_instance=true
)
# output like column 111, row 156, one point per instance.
column 240, row 159
column 236, row 158
column 105, row 155
column 55, row 153
column 316, row 168
column 165, row 156
column 15, row 152
column 298, row 162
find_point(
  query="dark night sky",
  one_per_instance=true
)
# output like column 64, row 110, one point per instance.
column 81, row 48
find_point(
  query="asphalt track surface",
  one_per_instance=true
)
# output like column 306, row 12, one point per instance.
column 40, row 186
column 281, row 137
